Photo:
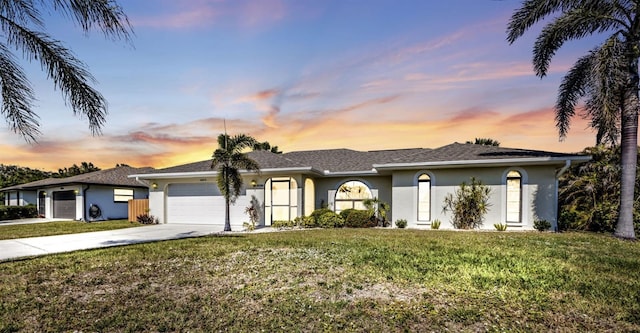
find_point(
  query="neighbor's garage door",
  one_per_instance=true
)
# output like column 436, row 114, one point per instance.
column 196, row 203
column 64, row 205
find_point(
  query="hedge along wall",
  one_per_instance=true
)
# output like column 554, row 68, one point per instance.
column 18, row 212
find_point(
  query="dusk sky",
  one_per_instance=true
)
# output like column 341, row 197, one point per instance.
column 301, row 74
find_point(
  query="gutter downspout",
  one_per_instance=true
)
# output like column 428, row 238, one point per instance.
column 146, row 184
column 84, row 203
column 559, row 173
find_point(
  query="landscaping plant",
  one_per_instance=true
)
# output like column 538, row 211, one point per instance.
column 469, row 204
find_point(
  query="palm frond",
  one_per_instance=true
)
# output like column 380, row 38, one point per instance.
column 575, row 24
column 573, row 86
column 17, row 97
column 533, row 11
column 67, row 72
column 106, row 15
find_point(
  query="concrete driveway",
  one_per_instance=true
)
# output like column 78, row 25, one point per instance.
column 35, row 246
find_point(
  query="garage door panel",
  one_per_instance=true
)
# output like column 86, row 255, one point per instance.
column 200, row 203
column 64, row 204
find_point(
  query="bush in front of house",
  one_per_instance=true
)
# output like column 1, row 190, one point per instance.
column 541, row 225
column 469, row 204
column 315, row 215
column 18, row 212
column 330, row 219
column 147, row 219
column 359, row 219
column 283, row 224
column 305, row 222
column 401, row 223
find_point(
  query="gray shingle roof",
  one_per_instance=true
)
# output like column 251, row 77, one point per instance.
column 467, row 152
column 116, row 176
column 346, row 160
column 265, row 159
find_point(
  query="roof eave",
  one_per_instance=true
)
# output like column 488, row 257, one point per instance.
column 481, row 163
column 191, row 174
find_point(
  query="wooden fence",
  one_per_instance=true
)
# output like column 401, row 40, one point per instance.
column 137, row 207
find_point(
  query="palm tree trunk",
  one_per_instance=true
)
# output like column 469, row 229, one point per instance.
column 227, row 220
column 629, row 159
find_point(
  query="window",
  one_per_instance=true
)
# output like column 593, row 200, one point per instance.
column 424, row 197
column 351, row 195
column 122, row 195
column 309, row 196
column 514, row 197
column 280, row 199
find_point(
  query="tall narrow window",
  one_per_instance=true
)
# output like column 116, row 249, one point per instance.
column 309, row 196
column 351, row 195
column 514, row 197
column 424, row 197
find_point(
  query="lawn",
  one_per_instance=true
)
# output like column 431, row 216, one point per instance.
column 333, row 280
column 13, row 231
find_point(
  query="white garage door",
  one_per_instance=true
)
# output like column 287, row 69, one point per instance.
column 201, row 203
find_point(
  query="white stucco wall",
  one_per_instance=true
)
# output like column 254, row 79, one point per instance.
column 538, row 194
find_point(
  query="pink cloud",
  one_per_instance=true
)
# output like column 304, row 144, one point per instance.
column 206, row 13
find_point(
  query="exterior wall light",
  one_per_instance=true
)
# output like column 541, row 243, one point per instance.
column 154, row 185
column 254, row 183
column 76, row 192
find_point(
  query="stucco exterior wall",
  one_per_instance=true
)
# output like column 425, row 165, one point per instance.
column 538, row 194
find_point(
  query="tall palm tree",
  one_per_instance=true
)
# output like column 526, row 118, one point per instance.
column 229, row 160
column 612, row 105
column 22, row 25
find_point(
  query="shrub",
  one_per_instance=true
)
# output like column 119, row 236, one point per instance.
column 345, row 213
column 378, row 209
column 401, row 223
column 469, row 204
column 318, row 212
column 435, row 224
column 500, row 226
column 18, row 212
column 283, row 224
column 359, row 219
column 147, row 219
column 541, row 225
column 330, row 220
column 305, row 222
column 254, row 216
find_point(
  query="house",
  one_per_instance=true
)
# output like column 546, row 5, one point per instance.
column 414, row 182
column 72, row 197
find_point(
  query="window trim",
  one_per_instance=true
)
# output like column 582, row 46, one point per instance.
column 418, row 182
column 120, row 197
column 522, row 181
column 353, row 201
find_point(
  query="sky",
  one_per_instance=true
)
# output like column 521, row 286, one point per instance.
column 302, row 75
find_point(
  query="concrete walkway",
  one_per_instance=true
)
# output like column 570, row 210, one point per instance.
column 35, row 246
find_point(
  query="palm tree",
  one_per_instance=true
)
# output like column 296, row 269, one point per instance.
column 484, row 142
column 21, row 24
column 613, row 103
column 229, row 159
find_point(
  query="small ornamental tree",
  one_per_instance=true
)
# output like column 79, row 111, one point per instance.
column 469, row 204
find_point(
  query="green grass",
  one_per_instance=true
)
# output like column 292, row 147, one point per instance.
column 333, row 280
column 60, row 228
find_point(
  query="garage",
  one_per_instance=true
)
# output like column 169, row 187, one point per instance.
column 201, row 203
column 64, row 205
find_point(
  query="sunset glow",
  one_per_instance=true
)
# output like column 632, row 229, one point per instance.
column 364, row 75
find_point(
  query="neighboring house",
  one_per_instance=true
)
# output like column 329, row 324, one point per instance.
column 414, row 182
column 72, row 197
